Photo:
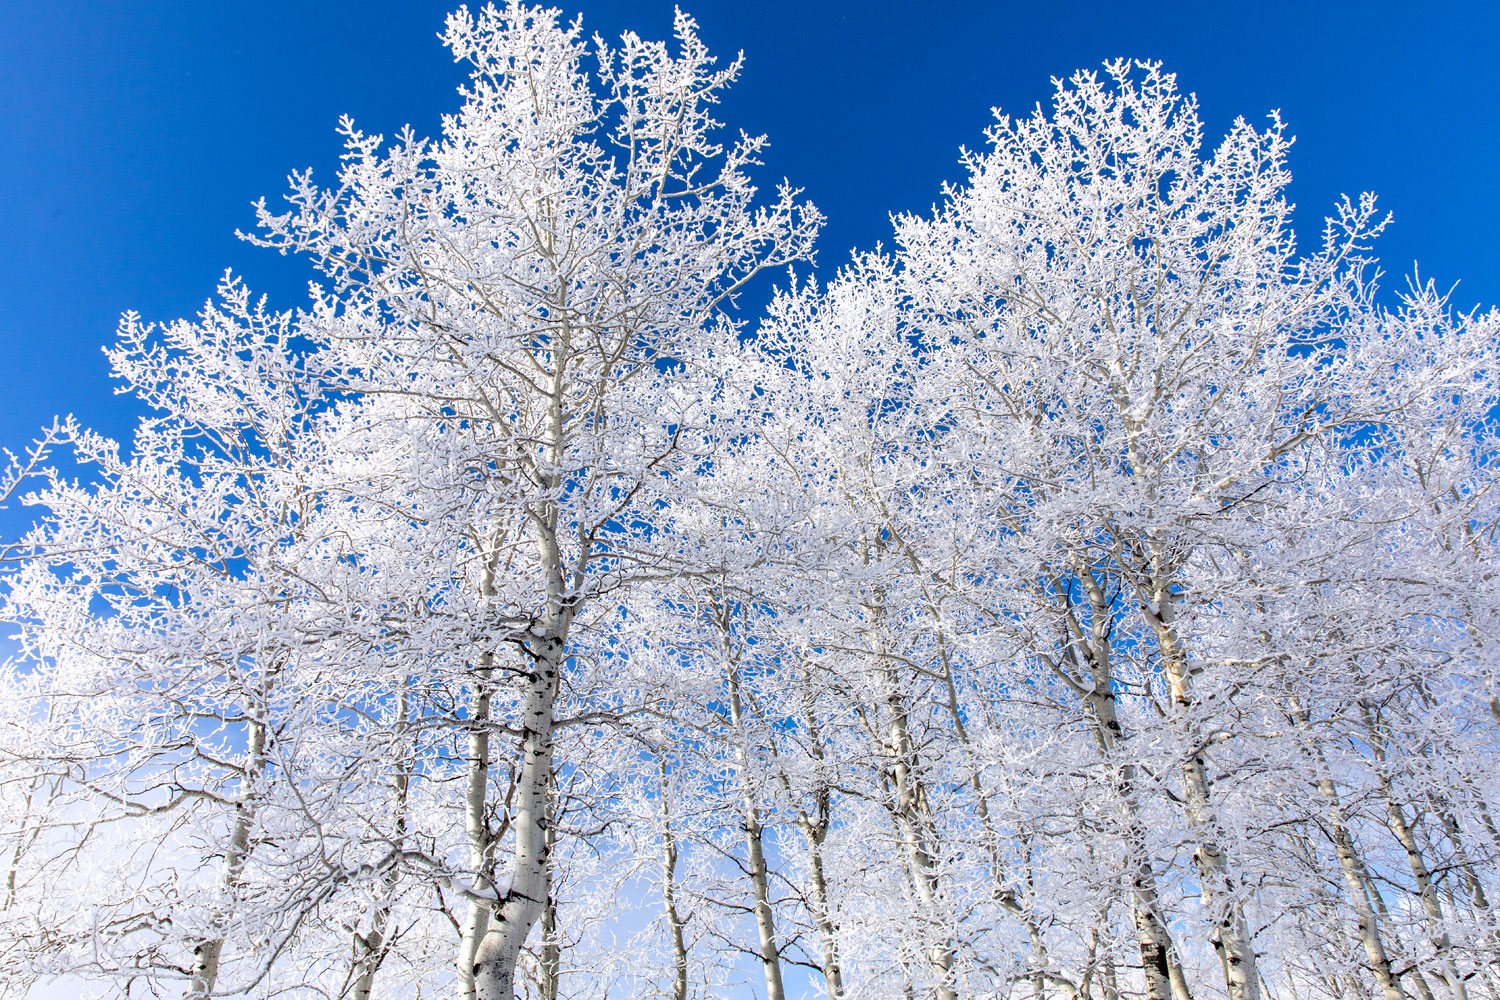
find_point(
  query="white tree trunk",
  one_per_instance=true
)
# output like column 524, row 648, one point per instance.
column 1365, row 916
column 1163, row 973
column 1230, row 934
column 476, row 826
column 371, row 947
column 833, row 973
column 1396, row 820
column 676, row 925
column 207, row 954
column 908, row 807
column 549, row 965
column 814, row 826
column 521, row 906
column 765, row 919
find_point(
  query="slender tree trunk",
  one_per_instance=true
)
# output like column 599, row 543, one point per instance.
column 1165, row 979
column 1367, row 920
column 833, row 975
column 1109, row 981
column 24, row 839
column 1409, row 970
column 1033, row 929
column 1004, row 894
column 207, row 954
column 765, row 921
column 1426, row 891
column 814, row 827
column 1230, row 934
column 1466, row 867
column 676, row 925
column 1353, row 869
column 370, row 948
column 549, row 967
column 909, row 801
column 477, row 826
column 909, row 804
column 1091, row 964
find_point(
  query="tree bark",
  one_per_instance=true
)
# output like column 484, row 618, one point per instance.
column 549, row 967
column 1352, row 866
column 518, row 909
column 765, row 920
column 1397, row 823
column 909, row 803
column 1164, row 976
column 814, row 826
column 207, row 955
column 676, row 925
column 476, row 826
column 370, row 948
column 1230, row 934
column 1365, row 917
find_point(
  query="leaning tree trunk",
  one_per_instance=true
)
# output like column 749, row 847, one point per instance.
column 1426, row 890
column 1354, row 873
column 207, row 954
column 1365, row 917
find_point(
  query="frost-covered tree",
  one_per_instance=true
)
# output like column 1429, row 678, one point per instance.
column 1093, row 596
column 512, row 357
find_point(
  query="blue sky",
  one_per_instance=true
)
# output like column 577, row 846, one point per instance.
column 135, row 135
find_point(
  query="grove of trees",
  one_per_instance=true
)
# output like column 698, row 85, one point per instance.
column 1093, row 596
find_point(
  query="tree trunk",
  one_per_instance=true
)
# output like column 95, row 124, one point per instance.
column 1368, row 922
column 1466, row 867
column 476, row 826
column 1426, row 891
column 1353, row 870
column 765, row 921
column 1230, row 934
column 833, row 975
column 916, row 836
column 518, row 909
column 549, row 967
column 814, row 828
column 1165, row 979
column 1109, row 980
column 675, row 923
column 371, row 947
column 207, row 954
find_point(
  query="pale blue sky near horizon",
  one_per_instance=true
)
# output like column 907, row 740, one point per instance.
column 135, row 135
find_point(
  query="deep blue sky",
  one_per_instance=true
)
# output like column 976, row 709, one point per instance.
column 134, row 135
